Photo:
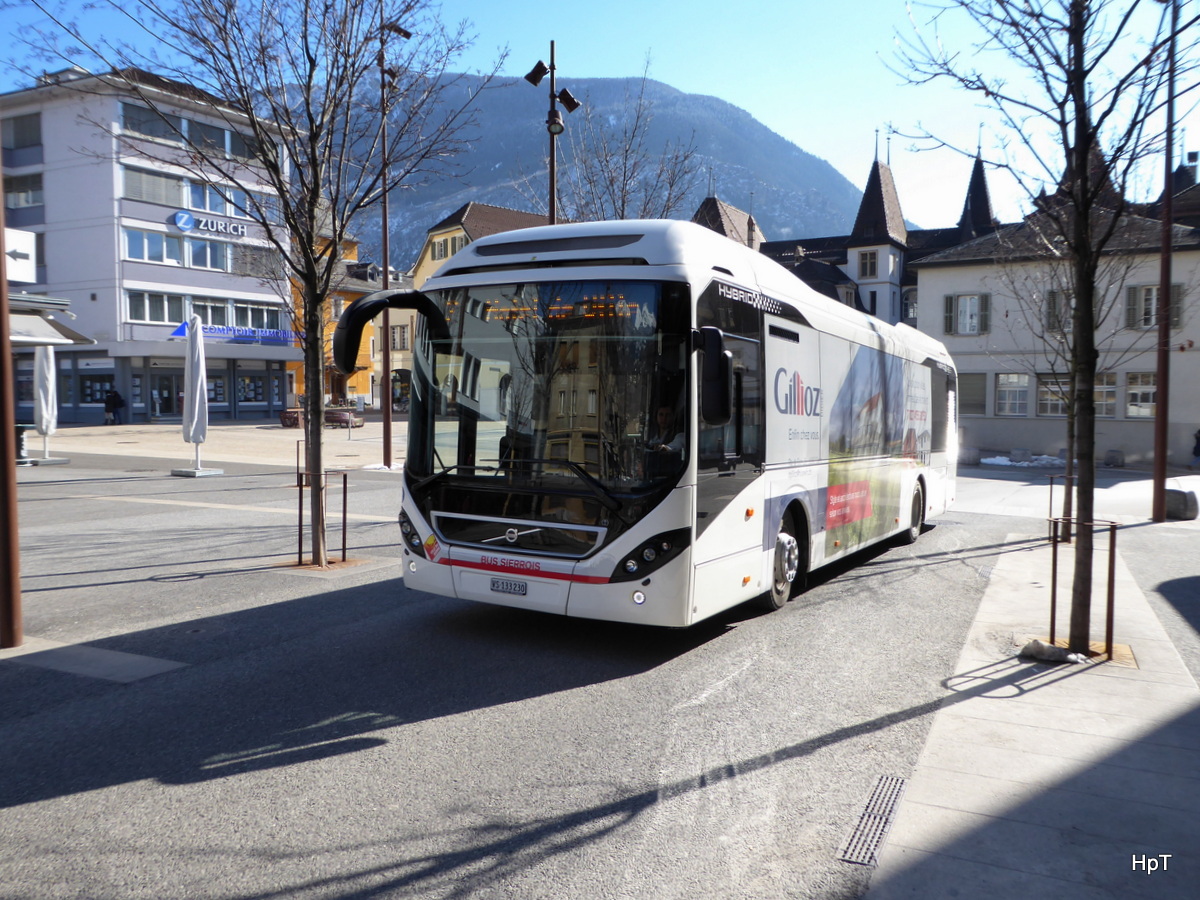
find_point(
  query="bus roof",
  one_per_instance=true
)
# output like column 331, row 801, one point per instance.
column 670, row 242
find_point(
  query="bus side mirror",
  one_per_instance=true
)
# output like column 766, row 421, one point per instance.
column 716, row 378
column 348, row 334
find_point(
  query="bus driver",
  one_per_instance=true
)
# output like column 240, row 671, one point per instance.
column 664, row 437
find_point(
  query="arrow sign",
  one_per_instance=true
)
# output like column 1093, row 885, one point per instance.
column 20, row 247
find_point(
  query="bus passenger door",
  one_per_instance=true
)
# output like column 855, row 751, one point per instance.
column 730, row 496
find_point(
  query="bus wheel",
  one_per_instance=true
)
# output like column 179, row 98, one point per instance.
column 916, row 517
column 785, row 571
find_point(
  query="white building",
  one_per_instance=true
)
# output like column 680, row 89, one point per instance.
column 1001, row 309
column 137, row 236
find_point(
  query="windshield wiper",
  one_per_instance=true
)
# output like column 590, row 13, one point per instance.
column 606, row 498
column 429, row 479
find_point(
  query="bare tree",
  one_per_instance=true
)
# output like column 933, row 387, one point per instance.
column 1090, row 80
column 1038, row 288
column 613, row 169
column 307, row 85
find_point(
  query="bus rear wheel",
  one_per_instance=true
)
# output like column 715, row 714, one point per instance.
column 786, row 570
column 916, row 517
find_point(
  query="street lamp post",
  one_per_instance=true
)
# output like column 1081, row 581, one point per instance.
column 385, row 74
column 554, row 123
column 1162, row 314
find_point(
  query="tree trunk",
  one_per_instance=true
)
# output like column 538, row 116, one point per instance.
column 1068, row 504
column 314, row 407
column 1083, row 373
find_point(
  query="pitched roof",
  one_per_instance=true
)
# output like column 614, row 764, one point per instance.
column 479, row 220
column 879, row 217
column 1037, row 237
column 726, row 219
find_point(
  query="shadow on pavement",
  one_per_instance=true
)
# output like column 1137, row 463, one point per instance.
column 303, row 679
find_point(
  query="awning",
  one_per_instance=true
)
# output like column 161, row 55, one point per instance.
column 32, row 330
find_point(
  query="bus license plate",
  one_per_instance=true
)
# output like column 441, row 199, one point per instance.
column 507, row 586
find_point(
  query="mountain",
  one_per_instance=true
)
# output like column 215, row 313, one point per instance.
column 790, row 192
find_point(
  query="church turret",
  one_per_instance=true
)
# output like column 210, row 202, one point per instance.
column 977, row 216
column 879, row 218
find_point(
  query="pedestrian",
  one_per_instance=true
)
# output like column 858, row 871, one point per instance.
column 113, row 404
column 1195, row 451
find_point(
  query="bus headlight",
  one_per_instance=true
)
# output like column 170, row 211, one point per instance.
column 409, row 533
column 652, row 555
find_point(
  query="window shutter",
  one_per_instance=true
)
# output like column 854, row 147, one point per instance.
column 1176, row 304
column 951, row 314
column 1132, row 313
column 985, row 309
column 1053, row 322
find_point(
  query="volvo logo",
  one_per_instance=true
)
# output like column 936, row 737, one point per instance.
column 511, row 535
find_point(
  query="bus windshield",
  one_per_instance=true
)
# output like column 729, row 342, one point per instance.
column 559, row 386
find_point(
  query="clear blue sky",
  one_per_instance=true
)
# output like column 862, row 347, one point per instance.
column 814, row 71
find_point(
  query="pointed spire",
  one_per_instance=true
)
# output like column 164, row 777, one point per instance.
column 976, row 216
column 879, row 217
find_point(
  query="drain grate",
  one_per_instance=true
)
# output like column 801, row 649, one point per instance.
column 863, row 845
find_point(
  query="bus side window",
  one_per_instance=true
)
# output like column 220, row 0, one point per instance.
column 741, row 439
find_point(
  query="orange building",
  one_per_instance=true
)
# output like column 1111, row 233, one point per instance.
column 351, row 281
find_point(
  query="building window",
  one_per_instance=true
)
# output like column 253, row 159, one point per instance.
column 251, row 389
column 1105, row 394
column 207, row 197
column 400, row 337
column 92, row 388
column 972, row 394
column 908, row 306
column 209, row 138
column 437, row 250
column 23, row 191
column 868, row 264
column 204, row 254
column 1141, row 395
column 1012, row 395
column 210, row 311
column 968, row 313
column 257, row 261
column 243, row 146
column 153, row 246
column 151, row 123
column 1054, row 393
column 239, row 202
column 153, row 187
column 1058, row 312
column 1141, row 305
column 247, row 315
column 19, row 132
column 145, row 306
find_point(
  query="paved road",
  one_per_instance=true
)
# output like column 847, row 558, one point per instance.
column 337, row 736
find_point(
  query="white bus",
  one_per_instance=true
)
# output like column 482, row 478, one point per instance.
column 547, row 359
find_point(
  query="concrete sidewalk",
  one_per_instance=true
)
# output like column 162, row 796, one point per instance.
column 258, row 441
column 1064, row 781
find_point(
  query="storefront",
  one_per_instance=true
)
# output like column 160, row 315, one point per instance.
column 246, row 377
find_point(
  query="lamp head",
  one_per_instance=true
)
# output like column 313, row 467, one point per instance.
column 537, row 73
column 554, row 122
column 567, row 99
